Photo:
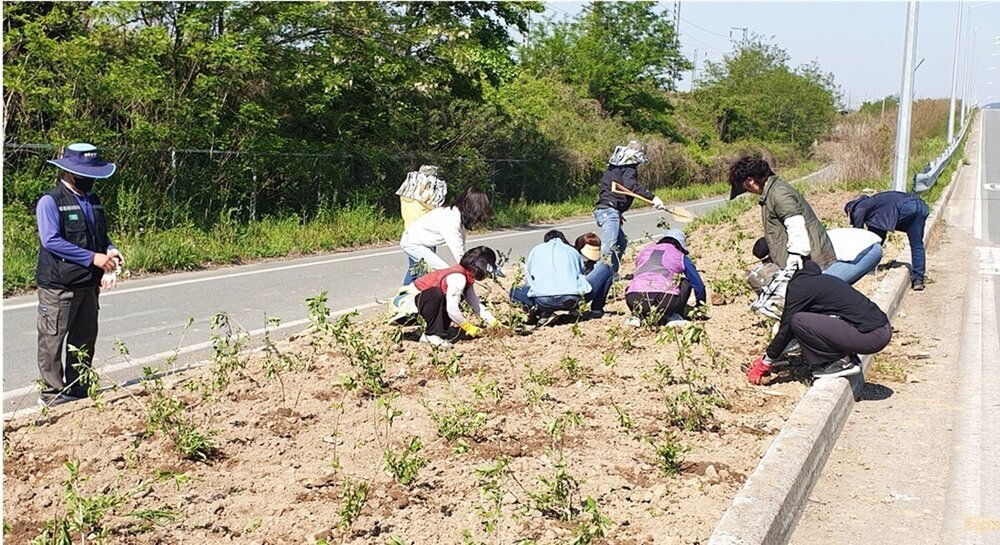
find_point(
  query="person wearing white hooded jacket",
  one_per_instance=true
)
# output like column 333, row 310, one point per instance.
column 446, row 225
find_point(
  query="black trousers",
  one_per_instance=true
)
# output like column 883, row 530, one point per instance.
column 825, row 339
column 66, row 318
column 661, row 305
column 433, row 309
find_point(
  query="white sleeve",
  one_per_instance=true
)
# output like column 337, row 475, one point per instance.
column 798, row 237
column 456, row 287
column 454, row 237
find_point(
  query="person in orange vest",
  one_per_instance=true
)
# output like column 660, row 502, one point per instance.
column 436, row 297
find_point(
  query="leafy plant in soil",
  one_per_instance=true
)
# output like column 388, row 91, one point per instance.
column 462, row 420
column 352, row 501
column 405, row 464
column 167, row 413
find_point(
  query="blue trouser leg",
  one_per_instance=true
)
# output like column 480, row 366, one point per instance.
column 852, row 271
column 613, row 240
column 519, row 295
column 600, row 283
column 410, row 276
column 912, row 218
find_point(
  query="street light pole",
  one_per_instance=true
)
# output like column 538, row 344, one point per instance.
column 954, row 77
column 904, row 113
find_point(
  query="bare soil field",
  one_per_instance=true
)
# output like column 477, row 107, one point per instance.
column 352, row 432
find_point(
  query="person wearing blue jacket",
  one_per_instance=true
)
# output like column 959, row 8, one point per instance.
column 555, row 280
column 895, row 211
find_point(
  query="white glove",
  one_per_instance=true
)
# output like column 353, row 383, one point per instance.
column 110, row 279
column 488, row 317
column 658, row 203
column 793, row 263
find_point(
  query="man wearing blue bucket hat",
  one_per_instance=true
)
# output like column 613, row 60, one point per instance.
column 75, row 253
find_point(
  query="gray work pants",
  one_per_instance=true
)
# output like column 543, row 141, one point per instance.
column 66, row 318
column 826, row 339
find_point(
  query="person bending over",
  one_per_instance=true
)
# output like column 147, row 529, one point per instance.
column 446, row 225
column 791, row 228
column 436, row 296
column 663, row 280
column 895, row 211
column 832, row 322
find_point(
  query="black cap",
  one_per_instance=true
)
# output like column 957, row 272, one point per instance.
column 760, row 249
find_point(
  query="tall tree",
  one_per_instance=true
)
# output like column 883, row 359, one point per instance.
column 621, row 53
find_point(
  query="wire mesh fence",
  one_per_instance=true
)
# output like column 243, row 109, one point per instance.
column 163, row 188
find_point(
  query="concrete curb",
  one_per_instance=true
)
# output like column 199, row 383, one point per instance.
column 767, row 508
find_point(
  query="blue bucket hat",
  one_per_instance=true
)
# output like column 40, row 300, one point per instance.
column 82, row 159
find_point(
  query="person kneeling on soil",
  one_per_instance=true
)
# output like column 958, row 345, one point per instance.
column 436, row 296
column 663, row 280
column 554, row 281
column 833, row 323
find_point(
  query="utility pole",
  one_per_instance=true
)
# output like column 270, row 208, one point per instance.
column 694, row 69
column 954, row 76
column 743, row 28
column 904, row 113
column 677, row 40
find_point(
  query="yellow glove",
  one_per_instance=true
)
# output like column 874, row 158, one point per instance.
column 471, row 329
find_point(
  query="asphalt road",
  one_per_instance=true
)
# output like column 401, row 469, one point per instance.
column 150, row 315
column 918, row 461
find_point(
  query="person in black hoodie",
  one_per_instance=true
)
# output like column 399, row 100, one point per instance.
column 622, row 169
column 832, row 321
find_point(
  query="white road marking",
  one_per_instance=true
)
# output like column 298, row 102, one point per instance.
column 989, row 260
column 396, row 250
column 972, row 495
column 977, row 212
column 146, row 360
column 991, row 187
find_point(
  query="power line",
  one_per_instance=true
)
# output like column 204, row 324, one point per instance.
column 704, row 29
column 707, row 45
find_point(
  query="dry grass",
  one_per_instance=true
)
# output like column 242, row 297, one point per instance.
column 861, row 145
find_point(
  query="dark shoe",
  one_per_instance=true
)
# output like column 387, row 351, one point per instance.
column 917, row 284
column 593, row 315
column 49, row 400
column 843, row 367
column 547, row 320
column 532, row 318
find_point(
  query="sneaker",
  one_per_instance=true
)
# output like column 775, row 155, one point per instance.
column 633, row 321
column 547, row 320
column 843, row 367
column 676, row 320
column 917, row 284
column 793, row 349
column 434, row 340
column 47, row 400
column 593, row 315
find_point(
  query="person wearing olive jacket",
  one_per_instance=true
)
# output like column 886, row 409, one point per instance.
column 833, row 323
column 792, row 230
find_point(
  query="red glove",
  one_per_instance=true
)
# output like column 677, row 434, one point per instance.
column 758, row 368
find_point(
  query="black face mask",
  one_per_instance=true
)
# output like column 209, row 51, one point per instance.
column 84, row 184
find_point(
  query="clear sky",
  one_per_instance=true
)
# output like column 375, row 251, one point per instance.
column 860, row 42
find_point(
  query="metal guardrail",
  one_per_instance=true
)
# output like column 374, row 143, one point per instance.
column 924, row 180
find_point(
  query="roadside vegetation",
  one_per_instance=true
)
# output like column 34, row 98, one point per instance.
column 246, row 131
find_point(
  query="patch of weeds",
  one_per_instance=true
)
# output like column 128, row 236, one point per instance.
column 404, row 465
column 87, row 375
column 84, row 518
column 352, row 502
column 275, row 361
column 625, row 420
column 483, row 389
column 463, row 420
column 595, row 525
column 449, row 366
column 367, row 354
column 229, row 339
column 541, row 378
column 557, row 497
column 558, row 426
column 572, row 367
column 167, row 413
column 491, row 480
column 887, row 369
column 670, row 454
column 691, row 411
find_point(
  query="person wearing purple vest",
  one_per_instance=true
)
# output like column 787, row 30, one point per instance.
column 663, row 280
